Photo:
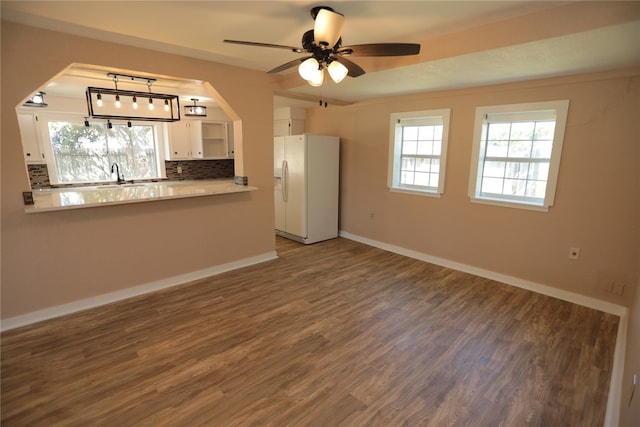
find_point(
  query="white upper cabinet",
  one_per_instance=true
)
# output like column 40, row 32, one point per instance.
column 197, row 139
column 31, row 137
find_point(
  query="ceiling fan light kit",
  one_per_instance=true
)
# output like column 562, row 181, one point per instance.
column 324, row 43
column 328, row 27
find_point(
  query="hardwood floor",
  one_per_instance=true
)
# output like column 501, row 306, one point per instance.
column 332, row 334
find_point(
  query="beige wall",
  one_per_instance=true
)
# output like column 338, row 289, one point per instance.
column 597, row 205
column 55, row 258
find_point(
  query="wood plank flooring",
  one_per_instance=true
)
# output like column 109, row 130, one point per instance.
column 332, row 334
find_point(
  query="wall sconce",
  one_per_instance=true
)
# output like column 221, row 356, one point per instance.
column 37, row 100
column 195, row 110
column 125, row 105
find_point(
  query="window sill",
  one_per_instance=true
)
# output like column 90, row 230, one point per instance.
column 513, row 205
column 56, row 199
column 415, row 192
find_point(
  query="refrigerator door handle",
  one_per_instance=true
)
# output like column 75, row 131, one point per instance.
column 285, row 181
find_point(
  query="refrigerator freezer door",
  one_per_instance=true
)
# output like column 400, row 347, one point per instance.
column 296, row 185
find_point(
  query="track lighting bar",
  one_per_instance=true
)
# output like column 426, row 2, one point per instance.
column 102, row 104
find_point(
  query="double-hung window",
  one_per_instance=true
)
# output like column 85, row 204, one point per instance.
column 417, row 152
column 516, row 154
column 84, row 154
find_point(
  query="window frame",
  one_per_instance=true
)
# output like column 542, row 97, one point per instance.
column 526, row 111
column 159, row 131
column 394, row 170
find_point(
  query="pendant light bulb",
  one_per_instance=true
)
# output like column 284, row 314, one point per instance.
column 135, row 102
column 166, row 105
column 118, row 101
column 99, row 96
column 337, row 71
column 150, row 103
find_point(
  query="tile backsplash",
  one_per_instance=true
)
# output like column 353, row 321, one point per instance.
column 199, row 169
column 191, row 169
column 38, row 176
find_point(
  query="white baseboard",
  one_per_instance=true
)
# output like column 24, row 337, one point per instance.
column 84, row 304
column 615, row 387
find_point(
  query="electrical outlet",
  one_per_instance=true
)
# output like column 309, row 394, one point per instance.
column 574, row 253
column 372, row 215
column 179, row 169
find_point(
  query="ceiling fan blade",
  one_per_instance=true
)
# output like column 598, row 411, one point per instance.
column 354, row 69
column 380, row 49
column 277, row 46
column 288, row 65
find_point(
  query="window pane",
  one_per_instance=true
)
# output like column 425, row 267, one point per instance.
column 406, row 177
column 538, row 171
column 437, row 132
column 514, row 187
column 497, row 148
column 494, row 169
column 544, row 130
column 425, row 133
column 80, row 152
column 517, row 170
column 499, row 131
column 536, row 189
column 425, row 147
column 423, row 165
column 85, row 153
column 422, row 179
column 437, row 147
column 435, row 165
column 520, row 149
column 133, row 148
column 409, row 147
column 522, row 131
column 492, row 185
column 542, row 149
column 410, row 133
column 433, row 179
column 408, row 163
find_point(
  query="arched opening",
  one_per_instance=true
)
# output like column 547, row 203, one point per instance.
column 76, row 131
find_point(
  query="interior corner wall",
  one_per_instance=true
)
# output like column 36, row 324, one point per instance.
column 597, row 204
column 55, row 258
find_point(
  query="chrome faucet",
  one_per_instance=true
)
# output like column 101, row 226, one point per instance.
column 117, row 170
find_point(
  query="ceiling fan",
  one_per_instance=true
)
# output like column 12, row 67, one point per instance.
column 324, row 44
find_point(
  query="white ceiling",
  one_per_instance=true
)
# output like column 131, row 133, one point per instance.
column 464, row 43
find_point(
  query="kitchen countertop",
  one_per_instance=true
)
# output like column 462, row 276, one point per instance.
column 55, row 199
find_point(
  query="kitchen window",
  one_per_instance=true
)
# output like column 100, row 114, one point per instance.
column 84, row 154
column 516, row 154
column 417, row 153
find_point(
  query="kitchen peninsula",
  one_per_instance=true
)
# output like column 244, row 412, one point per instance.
column 55, row 199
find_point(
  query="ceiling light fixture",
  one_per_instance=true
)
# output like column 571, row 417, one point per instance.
column 337, row 71
column 195, row 110
column 115, row 82
column 126, row 102
column 37, row 100
column 328, row 27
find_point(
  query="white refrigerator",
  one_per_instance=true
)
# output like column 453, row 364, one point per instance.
column 306, row 189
